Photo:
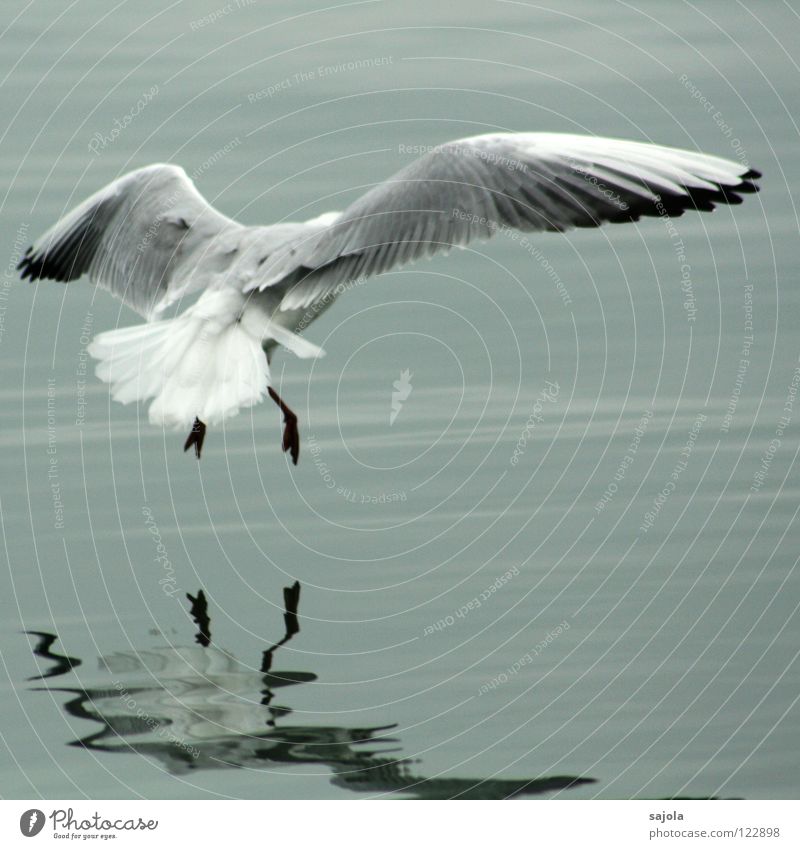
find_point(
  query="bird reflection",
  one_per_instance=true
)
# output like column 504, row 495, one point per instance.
column 197, row 708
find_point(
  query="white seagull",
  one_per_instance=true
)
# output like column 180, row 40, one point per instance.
column 150, row 238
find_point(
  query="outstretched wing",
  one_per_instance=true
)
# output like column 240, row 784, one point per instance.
column 474, row 187
column 148, row 237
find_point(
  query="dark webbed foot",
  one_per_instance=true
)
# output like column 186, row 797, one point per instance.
column 291, row 438
column 291, row 433
column 196, row 437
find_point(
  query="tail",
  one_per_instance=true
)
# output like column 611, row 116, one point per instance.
column 192, row 366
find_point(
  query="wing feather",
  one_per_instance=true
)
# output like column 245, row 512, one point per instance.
column 148, row 238
column 473, row 187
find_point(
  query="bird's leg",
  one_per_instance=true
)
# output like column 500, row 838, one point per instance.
column 291, row 435
column 196, row 436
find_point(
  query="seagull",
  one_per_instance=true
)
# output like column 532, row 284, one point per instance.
column 151, row 239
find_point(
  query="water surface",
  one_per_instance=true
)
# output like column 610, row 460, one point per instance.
column 491, row 592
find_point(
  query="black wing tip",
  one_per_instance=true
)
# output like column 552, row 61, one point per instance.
column 706, row 200
column 663, row 202
column 746, row 185
column 36, row 267
column 68, row 256
column 31, row 266
column 692, row 199
column 23, row 266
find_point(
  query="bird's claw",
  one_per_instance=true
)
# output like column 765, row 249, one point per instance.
column 291, row 433
column 291, row 438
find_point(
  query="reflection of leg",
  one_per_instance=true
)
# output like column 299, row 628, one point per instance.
column 196, row 437
column 291, row 435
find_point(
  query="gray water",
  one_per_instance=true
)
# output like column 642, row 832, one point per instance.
column 476, row 600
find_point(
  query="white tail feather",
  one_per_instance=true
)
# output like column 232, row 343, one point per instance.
column 192, row 366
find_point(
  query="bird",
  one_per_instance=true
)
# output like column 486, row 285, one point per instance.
column 152, row 240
